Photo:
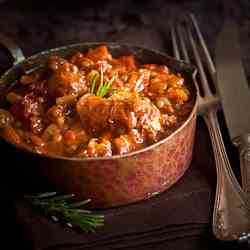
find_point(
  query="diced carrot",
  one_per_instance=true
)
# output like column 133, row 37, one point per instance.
column 11, row 135
column 133, row 78
column 177, row 94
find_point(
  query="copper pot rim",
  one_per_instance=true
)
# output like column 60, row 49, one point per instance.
column 113, row 157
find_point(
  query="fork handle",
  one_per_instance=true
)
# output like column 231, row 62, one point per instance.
column 231, row 206
column 243, row 144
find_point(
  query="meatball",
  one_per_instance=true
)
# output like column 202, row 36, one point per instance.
column 94, row 113
column 65, row 78
column 119, row 116
column 29, row 111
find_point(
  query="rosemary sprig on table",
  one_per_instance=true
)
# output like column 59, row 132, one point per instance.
column 56, row 206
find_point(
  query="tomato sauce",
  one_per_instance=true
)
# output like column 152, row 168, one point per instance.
column 92, row 105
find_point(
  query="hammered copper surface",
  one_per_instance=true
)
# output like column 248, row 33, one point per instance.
column 125, row 180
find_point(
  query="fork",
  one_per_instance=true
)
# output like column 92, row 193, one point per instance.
column 231, row 214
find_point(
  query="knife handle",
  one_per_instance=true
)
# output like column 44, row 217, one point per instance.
column 243, row 144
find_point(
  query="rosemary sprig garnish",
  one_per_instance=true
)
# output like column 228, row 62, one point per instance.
column 103, row 90
column 56, row 206
column 103, row 87
column 94, row 78
column 101, row 82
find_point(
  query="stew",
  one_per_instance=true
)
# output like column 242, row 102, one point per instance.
column 92, row 105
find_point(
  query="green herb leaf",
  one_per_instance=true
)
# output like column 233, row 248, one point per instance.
column 100, row 84
column 57, row 205
column 105, row 88
column 94, row 78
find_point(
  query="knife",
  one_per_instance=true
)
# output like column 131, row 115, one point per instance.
column 234, row 93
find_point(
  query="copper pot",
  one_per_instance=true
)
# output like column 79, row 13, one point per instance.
column 120, row 179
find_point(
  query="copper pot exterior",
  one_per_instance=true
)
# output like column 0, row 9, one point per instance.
column 125, row 180
column 122, row 179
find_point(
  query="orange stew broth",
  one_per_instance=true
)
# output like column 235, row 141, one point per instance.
column 93, row 105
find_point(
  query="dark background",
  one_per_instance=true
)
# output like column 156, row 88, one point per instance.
column 39, row 25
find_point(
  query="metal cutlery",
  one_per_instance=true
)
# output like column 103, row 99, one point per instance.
column 235, row 95
column 231, row 220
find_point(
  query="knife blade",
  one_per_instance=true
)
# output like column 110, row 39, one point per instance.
column 234, row 93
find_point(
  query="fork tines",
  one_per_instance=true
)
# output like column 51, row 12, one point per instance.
column 187, row 32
